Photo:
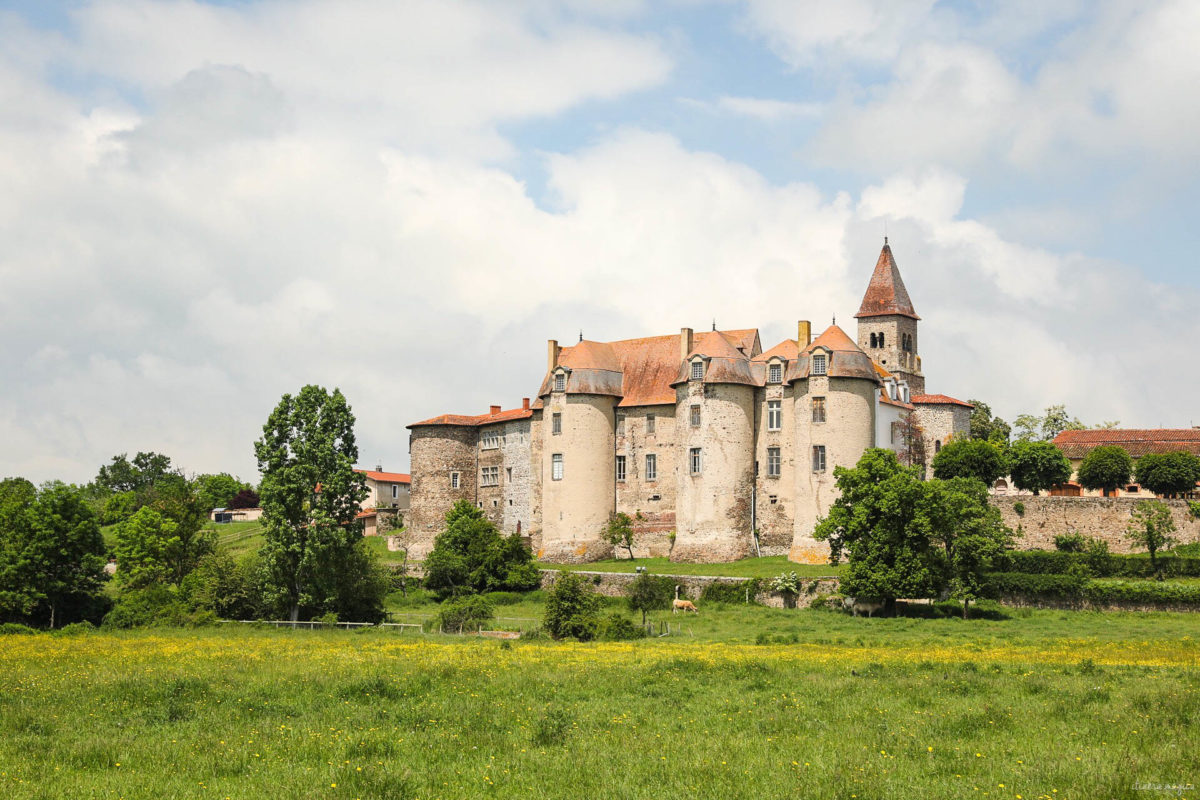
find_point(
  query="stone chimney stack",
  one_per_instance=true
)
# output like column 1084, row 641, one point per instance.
column 803, row 333
column 552, row 354
column 524, row 403
column 493, row 410
column 685, row 343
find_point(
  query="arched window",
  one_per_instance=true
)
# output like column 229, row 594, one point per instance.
column 937, row 446
column 881, row 340
column 874, row 340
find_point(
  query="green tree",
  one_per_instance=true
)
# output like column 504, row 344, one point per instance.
column 1168, row 473
column 1153, row 528
column 51, row 557
column 648, row 593
column 470, row 556
column 881, row 523
column 1057, row 420
column 1105, row 467
column 217, row 491
column 986, row 427
column 911, row 451
column 144, row 471
column 618, row 530
column 16, row 495
column 980, row 459
column 972, row 533
column 141, row 549
column 314, row 559
column 1037, row 466
column 572, row 609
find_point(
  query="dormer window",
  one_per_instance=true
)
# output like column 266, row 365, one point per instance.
column 697, row 370
column 560, row 381
column 775, row 372
column 819, row 364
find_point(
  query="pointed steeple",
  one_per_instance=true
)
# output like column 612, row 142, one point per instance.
column 886, row 295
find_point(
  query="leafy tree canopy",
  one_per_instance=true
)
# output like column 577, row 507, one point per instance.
column 649, row 593
column 572, row 609
column 985, row 426
column 1031, row 428
column 144, row 471
column 471, row 556
column 1168, row 473
column 980, row 459
column 1105, row 467
column 218, row 491
column 1153, row 528
column 1037, row 466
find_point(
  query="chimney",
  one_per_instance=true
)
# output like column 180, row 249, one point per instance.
column 524, row 403
column 552, row 354
column 379, row 467
column 493, row 410
column 685, row 343
column 803, row 333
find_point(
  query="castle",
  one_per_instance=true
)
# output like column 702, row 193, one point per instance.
column 720, row 449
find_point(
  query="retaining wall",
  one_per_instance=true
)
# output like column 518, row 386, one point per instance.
column 1103, row 518
column 613, row 584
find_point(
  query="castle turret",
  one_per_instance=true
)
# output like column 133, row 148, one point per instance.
column 887, row 323
column 834, row 385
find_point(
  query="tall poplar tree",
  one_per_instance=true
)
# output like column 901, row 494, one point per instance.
column 314, row 558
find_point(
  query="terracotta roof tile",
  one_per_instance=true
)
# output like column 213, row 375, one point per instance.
column 787, row 350
column 479, row 419
column 938, row 400
column 886, row 294
column 836, row 339
column 387, row 477
column 1136, row 442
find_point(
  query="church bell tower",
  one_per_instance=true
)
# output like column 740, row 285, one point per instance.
column 887, row 323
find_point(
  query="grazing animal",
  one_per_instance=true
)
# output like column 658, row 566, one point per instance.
column 854, row 605
column 683, row 605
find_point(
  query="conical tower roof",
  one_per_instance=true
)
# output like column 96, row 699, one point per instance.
column 886, row 295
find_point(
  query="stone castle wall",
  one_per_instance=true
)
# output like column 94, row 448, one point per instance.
column 691, row 587
column 654, row 499
column 1104, row 518
column 437, row 452
column 775, row 509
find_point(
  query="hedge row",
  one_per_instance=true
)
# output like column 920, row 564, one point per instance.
column 1077, row 587
column 1101, row 565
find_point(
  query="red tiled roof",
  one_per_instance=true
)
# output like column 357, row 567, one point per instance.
column 386, row 477
column 938, row 400
column 834, row 338
column 886, row 294
column 787, row 350
column 883, row 398
column 479, row 419
column 1136, row 442
column 370, row 512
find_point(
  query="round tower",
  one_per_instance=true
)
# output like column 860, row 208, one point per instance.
column 714, row 433
column 578, row 426
column 834, row 388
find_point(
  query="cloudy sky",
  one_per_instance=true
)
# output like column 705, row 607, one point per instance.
column 206, row 205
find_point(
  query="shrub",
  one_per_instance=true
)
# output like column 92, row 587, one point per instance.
column 1019, row 508
column 571, row 609
column 330, row 619
column 1153, row 592
column 1000, row 584
column 75, row 628
column 504, row 598
column 1194, row 509
column 15, row 629
column 732, row 592
column 155, row 605
column 1069, row 543
column 471, row 557
column 648, row 593
column 465, row 614
column 617, row 627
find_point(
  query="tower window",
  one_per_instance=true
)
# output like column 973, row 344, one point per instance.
column 694, row 460
column 560, row 382
column 818, row 364
column 937, row 446
column 556, row 467
column 651, row 467
column 773, row 462
column 881, row 340
column 774, row 415
column 454, row 480
column 697, row 369
column 620, row 468
column 555, row 423
column 775, row 373
column 649, row 423
column 818, row 458
column 874, row 340
column 695, row 416
column 818, row 404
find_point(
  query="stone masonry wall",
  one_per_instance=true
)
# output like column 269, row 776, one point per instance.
column 613, row 584
column 655, row 499
column 437, row 452
column 776, row 494
column 1097, row 517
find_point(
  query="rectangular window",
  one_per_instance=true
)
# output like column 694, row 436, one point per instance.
column 818, row 364
column 556, row 467
column 819, row 458
column 395, row 491
column 560, row 382
column 818, row 409
column 773, row 499
column 489, row 476
column 620, row 468
column 773, row 462
column 695, row 416
column 895, row 432
column 694, row 460
column 697, row 369
column 555, row 423
column 649, row 423
column 775, row 373
column 620, row 426
column 454, row 480
column 651, row 467
column 508, row 474
column 490, row 441
column 774, row 415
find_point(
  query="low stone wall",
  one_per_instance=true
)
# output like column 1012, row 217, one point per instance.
column 1104, row 518
column 1066, row 604
column 613, row 584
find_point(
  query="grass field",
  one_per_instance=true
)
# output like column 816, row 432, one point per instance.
column 1042, row 705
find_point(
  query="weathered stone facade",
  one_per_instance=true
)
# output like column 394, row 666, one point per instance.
column 742, row 442
column 1042, row 518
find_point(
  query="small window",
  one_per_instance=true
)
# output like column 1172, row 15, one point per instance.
column 695, row 416
column 773, row 462
column 495, row 503
column 556, row 467
column 694, row 460
column 555, row 423
column 881, row 344
column 508, row 474
column 818, row 404
column 774, row 415
column 560, row 382
column 395, row 491
column 620, row 426
column 649, row 423
column 651, row 467
column 1132, row 488
column 490, row 441
column 454, row 480
column 772, row 499
column 620, row 468
column 874, row 340
column 818, row 458
column 775, row 373
column 937, row 446
column 818, row 364
column 697, row 369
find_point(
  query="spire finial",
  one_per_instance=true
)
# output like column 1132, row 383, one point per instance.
column 581, row 334
column 714, row 323
column 835, row 320
column 885, row 239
